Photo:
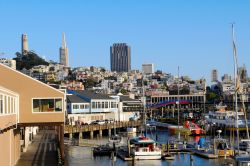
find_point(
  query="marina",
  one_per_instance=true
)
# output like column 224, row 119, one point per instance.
column 84, row 155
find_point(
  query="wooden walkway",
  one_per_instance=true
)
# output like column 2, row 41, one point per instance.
column 42, row 151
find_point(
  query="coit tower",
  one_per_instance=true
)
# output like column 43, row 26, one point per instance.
column 64, row 53
column 25, row 49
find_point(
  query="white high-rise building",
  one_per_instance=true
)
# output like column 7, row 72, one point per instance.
column 147, row 68
column 64, row 53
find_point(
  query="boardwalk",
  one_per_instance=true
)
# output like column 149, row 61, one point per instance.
column 41, row 152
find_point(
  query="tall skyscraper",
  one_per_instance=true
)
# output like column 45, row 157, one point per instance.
column 147, row 68
column 120, row 57
column 64, row 53
column 242, row 71
column 25, row 49
column 214, row 75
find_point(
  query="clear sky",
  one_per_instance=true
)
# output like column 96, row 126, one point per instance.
column 192, row 34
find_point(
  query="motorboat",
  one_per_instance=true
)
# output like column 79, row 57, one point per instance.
column 103, row 150
column 221, row 146
column 145, row 148
column 194, row 128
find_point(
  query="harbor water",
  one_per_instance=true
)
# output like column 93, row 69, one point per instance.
column 79, row 155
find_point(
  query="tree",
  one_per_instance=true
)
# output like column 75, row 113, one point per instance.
column 123, row 91
column 28, row 61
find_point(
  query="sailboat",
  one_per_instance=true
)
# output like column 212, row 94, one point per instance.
column 143, row 147
column 240, row 159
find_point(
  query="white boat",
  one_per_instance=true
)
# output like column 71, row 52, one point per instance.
column 222, row 117
column 144, row 148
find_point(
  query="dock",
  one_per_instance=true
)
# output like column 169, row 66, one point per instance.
column 79, row 129
column 203, row 154
column 123, row 155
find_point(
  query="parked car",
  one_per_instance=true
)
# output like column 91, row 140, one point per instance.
column 100, row 122
column 109, row 120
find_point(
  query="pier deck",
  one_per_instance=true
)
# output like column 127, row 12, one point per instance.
column 68, row 129
column 42, row 150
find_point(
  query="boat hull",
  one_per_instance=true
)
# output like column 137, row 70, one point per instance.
column 147, row 155
column 223, row 153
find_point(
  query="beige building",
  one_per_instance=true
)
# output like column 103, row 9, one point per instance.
column 9, row 62
column 26, row 104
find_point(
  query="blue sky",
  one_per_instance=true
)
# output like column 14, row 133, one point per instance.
column 192, row 34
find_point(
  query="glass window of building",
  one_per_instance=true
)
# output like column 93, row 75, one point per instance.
column 93, row 105
column 99, row 105
column 5, row 105
column 58, row 103
column 1, row 104
column 106, row 104
column 82, row 106
column 47, row 105
column 9, row 105
column 75, row 106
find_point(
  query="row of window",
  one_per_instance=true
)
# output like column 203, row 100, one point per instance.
column 193, row 98
column 47, row 105
column 80, row 106
column 8, row 104
column 104, row 104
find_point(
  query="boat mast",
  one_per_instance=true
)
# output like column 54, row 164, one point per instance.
column 144, row 105
column 178, row 104
column 236, row 85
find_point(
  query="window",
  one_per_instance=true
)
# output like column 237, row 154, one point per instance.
column 82, row 106
column 99, row 104
column 58, row 105
column 93, row 105
column 11, row 106
column 5, row 105
column 1, row 104
column 106, row 104
column 47, row 105
column 113, row 105
column 103, row 104
column 75, row 106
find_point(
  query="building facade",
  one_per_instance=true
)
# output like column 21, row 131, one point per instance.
column 147, row 68
column 120, row 57
column 9, row 62
column 214, row 75
column 25, row 105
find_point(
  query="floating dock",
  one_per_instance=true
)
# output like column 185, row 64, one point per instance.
column 203, row 154
column 123, row 155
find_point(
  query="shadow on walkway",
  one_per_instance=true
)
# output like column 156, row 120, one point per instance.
column 42, row 151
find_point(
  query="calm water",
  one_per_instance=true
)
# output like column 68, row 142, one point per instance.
column 83, row 156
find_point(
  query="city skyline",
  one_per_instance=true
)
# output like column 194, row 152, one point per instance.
column 193, row 35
